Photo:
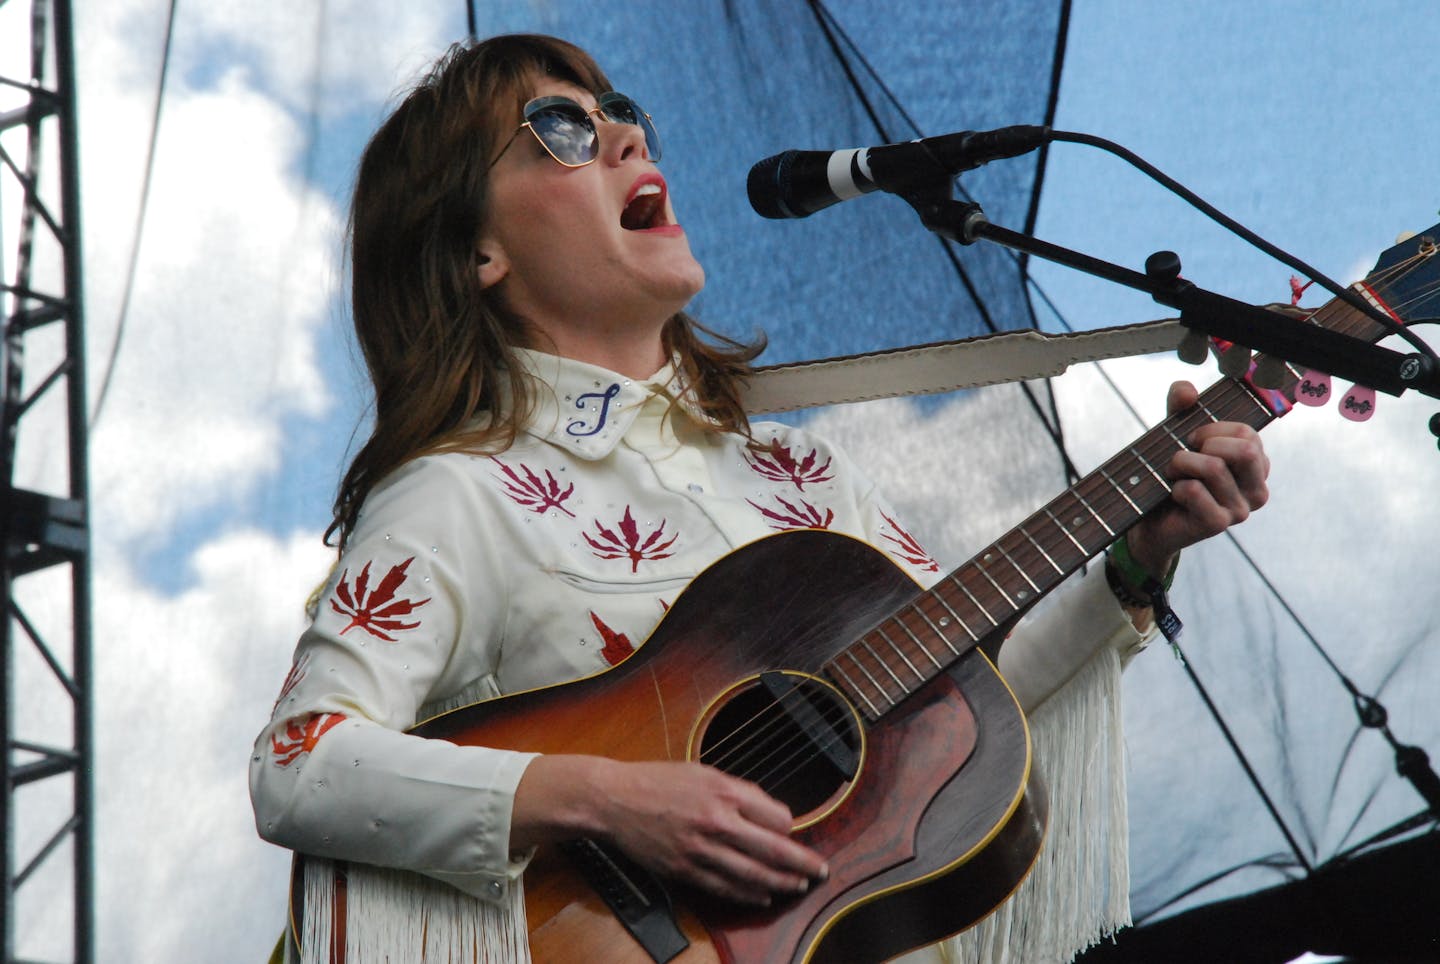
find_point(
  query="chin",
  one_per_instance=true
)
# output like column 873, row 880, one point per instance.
column 682, row 284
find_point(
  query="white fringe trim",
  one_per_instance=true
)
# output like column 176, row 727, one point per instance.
column 1079, row 889
column 398, row 917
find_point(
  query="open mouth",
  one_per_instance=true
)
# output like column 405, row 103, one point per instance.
column 646, row 207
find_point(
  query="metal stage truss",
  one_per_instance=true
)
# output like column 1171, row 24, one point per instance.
column 48, row 809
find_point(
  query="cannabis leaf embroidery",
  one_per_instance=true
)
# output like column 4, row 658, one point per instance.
column 781, row 466
column 531, row 492
column 296, row 674
column 617, row 645
column 302, row 737
column 627, row 544
column 376, row 613
column 803, row 516
column 909, row 549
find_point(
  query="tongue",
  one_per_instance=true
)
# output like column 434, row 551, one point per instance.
column 640, row 213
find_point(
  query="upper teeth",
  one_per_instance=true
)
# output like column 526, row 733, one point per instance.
column 647, row 189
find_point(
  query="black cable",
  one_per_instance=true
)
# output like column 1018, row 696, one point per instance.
column 1214, row 214
column 830, row 27
column 470, row 19
column 139, row 222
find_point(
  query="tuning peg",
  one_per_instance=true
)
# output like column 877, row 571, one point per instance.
column 1358, row 403
column 1194, row 348
column 1270, row 372
column 1313, row 389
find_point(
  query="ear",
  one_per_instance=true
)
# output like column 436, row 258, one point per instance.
column 491, row 262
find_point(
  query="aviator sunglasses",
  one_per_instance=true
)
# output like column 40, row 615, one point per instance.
column 567, row 133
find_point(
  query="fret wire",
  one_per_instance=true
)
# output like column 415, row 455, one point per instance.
column 1200, row 403
column 1250, row 393
column 1016, row 566
column 854, row 688
column 899, row 652
column 963, row 625
column 983, row 611
column 1178, row 440
column 1066, row 531
column 1164, row 482
column 1041, row 549
column 1086, row 504
column 998, row 588
column 873, row 681
column 883, row 665
column 1123, row 494
column 923, row 647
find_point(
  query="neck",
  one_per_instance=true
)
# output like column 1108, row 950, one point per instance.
column 633, row 350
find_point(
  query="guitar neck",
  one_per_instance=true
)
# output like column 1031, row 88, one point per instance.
column 906, row 651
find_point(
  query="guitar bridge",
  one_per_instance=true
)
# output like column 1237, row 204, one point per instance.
column 633, row 894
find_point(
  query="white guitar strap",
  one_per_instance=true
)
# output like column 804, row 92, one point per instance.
column 948, row 366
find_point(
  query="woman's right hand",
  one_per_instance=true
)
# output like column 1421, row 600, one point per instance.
column 686, row 821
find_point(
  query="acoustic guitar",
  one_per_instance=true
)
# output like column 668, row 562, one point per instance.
column 811, row 664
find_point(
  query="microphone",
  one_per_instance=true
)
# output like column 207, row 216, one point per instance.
column 796, row 184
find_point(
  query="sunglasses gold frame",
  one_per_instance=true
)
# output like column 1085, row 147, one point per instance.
column 608, row 97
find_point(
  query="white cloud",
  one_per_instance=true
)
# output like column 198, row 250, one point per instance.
column 236, row 274
column 364, row 50
column 193, row 676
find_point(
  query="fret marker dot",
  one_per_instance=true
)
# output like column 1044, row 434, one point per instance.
column 1022, row 594
column 1134, row 480
column 944, row 620
column 1077, row 522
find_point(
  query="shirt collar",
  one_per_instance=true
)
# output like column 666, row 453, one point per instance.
column 587, row 409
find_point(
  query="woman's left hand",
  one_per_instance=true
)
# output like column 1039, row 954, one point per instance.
column 1217, row 483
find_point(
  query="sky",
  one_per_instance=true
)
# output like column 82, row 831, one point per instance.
column 233, row 397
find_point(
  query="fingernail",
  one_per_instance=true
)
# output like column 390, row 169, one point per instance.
column 803, row 888
column 824, row 872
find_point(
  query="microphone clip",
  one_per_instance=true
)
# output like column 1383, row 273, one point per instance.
column 960, row 221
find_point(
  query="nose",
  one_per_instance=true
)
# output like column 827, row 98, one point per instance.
column 619, row 142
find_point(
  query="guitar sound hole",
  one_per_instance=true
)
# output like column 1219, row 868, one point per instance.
column 791, row 734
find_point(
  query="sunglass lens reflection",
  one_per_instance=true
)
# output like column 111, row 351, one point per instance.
column 567, row 133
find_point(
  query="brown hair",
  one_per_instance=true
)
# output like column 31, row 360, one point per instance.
column 439, row 347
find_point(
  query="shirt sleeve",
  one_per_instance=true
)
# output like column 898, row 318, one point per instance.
column 413, row 611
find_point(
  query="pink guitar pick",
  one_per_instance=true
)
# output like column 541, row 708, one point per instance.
column 1358, row 403
column 1313, row 389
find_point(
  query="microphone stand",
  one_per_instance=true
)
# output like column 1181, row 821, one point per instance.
column 1214, row 314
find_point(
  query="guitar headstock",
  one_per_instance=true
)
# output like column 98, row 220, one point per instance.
column 1404, row 285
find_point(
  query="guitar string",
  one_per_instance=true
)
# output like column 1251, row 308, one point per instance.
column 771, row 736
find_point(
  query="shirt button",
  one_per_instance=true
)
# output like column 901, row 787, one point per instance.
column 496, row 888
column 696, row 487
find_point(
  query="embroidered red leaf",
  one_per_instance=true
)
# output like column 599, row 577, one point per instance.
column 802, row 516
column 627, row 544
column 296, row 674
column 378, row 612
column 617, row 645
column 534, row 494
column 781, row 466
column 908, row 548
column 301, row 736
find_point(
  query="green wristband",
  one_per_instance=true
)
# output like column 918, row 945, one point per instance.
column 1132, row 571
